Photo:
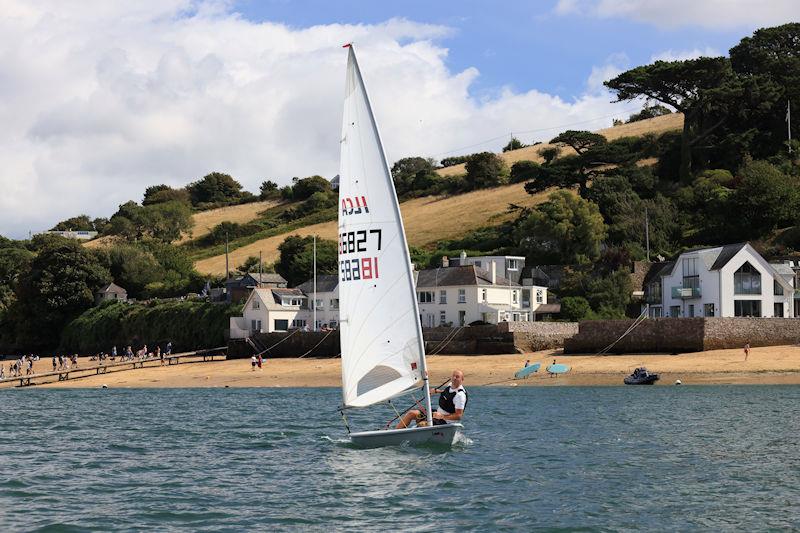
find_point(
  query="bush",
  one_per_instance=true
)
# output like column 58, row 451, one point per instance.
column 524, row 171
column 189, row 325
column 576, row 308
column 306, row 187
column 215, row 188
column 485, row 169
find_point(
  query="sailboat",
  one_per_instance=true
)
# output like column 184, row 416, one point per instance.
column 383, row 353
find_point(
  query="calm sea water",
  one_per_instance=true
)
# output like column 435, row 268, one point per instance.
column 612, row 458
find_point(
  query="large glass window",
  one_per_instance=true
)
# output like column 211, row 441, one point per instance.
column 777, row 288
column 747, row 280
column 654, row 291
column 747, row 308
column 462, row 296
column 691, row 278
column 778, row 310
column 675, row 311
column 708, row 310
column 442, row 297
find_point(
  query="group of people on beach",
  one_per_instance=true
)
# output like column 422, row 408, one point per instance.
column 256, row 361
column 24, row 365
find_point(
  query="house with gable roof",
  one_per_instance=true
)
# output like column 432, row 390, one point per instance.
column 722, row 281
column 270, row 310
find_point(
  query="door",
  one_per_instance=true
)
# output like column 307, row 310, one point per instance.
column 462, row 317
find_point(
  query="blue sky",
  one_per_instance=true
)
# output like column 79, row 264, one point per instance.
column 523, row 45
column 101, row 99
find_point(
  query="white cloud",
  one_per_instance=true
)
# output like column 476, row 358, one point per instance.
column 99, row 100
column 683, row 55
column 713, row 14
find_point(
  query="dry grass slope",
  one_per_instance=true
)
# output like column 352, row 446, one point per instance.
column 656, row 125
column 427, row 220
column 204, row 221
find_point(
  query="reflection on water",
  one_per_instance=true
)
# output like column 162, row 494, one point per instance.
column 239, row 459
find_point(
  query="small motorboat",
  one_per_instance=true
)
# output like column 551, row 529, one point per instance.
column 641, row 376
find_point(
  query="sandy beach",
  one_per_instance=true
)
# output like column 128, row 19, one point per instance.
column 767, row 365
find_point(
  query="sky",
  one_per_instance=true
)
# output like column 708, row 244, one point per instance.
column 100, row 99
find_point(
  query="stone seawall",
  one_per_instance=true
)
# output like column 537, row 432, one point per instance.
column 735, row 332
column 674, row 335
column 535, row 336
column 506, row 337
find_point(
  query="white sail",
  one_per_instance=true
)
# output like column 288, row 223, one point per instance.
column 380, row 332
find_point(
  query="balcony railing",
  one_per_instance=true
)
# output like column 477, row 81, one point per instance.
column 686, row 293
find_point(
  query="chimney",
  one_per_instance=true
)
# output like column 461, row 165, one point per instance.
column 494, row 273
column 445, row 261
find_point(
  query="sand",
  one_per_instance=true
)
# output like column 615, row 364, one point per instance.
column 767, row 365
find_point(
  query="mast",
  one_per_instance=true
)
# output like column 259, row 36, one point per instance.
column 314, row 303
column 406, row 255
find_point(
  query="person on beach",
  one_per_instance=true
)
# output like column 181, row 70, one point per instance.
column 169, row 348
column 160, row 354
column 2, row 371
column 30, row 367
column 128, row 353
column 113, row 352
column 260, row 361
column 253, row 362
column 746, row 350
column 75, row 360
column 54, row 363
column 452, row 402
column 527, row 362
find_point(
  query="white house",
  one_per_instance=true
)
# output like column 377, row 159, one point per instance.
column 508, row 266
column 459, row 295
column 269, row 310
column 326, row 300
column 723, row 281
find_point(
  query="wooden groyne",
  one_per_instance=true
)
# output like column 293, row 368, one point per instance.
column 213, row 354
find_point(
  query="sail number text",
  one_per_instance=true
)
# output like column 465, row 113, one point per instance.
column 357, row 242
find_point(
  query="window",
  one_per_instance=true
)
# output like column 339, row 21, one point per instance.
column 778, row 310
column 334, row 303
column 655, row 312
column 483, row 295
column 708, row 310
column 653, row 291
column 281, row 325
column 526, row 297
column 425, row 297
column 478, row 264
column 318, row 304
column 512, row 264
column 747, row 280
column 514, row 297
column 442, row 297
column 675, row 311
column 515, row 317
column 298, row 323
column 462, row 296
column 777, row 288
column 691, row 279
column 691, row 310
column 255, row 325
column 297, row 301
column 539, row 296
column 747, row 308
column 442, row 318
column 256, row 304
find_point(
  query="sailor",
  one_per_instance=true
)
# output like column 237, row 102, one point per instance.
column 452, row 402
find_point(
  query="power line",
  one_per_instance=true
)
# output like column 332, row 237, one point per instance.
column 538, row 130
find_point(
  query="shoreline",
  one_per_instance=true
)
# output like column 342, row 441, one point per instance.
column 774, row 365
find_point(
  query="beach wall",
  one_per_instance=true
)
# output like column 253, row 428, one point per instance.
column 674, row 335
column 506, row 337
column 735, row 332
column 535, row 336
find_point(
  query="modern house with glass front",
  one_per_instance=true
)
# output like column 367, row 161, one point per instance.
column 724, row 281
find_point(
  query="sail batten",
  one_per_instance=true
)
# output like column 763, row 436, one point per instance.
column 381, row 340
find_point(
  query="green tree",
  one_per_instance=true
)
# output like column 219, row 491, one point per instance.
column 78, row 223
column 566, row 228
column 694, row 87
column 454, row 160
column 268, row 189
column 524, row 171
column 304, row 188
column 649, row 111
column 131, row 267
column 58, row 286
column 165, row 221
column 576, row 308
column 764, row 200
column 159, row 194
column 549, row 153
column 413, row 174
column 215, row 188
column 296, row 258
column 609, row 295
column 251, row 264
column 485, row 169
column 580, row 141
column 514, row 144
column 13, row 262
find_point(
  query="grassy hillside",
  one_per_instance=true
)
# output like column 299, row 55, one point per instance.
column 427, row 220
column 656, row 125
column 204, row 221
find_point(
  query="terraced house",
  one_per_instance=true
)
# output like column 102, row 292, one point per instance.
column 723, row 281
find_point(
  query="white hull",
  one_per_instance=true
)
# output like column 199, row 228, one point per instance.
column 444, row 435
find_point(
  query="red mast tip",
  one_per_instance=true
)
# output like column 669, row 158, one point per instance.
column 346, row 45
